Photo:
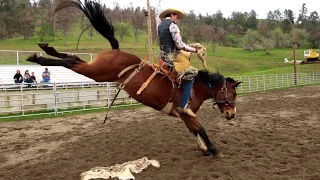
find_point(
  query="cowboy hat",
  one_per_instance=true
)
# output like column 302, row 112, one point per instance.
column 180, row 13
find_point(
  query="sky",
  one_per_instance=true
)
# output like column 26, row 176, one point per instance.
column 225, row 6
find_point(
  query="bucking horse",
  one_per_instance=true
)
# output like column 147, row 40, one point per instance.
column 148, row 83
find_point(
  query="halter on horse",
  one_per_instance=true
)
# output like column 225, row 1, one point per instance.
column 128, row 70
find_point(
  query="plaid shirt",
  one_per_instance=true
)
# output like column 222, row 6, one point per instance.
column 175, row 31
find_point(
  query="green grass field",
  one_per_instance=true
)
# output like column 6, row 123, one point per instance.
column 228, row 61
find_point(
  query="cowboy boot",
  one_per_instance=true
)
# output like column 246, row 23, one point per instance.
column 186, row 94
column 186, row 109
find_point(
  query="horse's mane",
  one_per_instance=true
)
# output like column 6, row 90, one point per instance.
column 212, row 78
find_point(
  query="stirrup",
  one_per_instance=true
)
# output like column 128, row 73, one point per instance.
column 186, row 110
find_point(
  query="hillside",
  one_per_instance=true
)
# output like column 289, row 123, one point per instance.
column 227, row 60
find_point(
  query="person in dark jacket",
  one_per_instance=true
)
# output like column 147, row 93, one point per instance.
column 18, row 77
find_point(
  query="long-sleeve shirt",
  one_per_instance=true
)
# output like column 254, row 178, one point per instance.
column 175, row 31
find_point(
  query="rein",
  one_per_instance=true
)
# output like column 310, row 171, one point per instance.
column 223, row 90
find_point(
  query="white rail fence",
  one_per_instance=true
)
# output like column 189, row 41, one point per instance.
column 16, row 57
column 275, row 81
column 19, row 100
column 56, row 98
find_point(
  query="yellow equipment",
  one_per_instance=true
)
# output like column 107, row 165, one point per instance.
column 310, row 56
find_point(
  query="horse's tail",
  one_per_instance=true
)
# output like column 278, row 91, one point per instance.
column 95, row 13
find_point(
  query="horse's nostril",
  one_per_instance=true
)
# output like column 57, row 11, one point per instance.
column 228, row 114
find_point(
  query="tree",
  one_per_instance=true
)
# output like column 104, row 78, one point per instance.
column 139, row 23
column 65, row 20
column 301, row 35
column 252, row 21
column 122, row 30
column 303, row 13
column 263, row 29
column 9, row 9
column 218, row 21
column 239, row 18
column 45, row 17
column 27, row 20
column 281, row 40
column 46, row 31
column 272, row 22
column 312, row 22
column 287, row 21
column 254, row 39
column 250, row 39
column 315, row 38
column 278, row 17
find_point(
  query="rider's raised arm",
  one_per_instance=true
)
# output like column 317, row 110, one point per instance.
column 175, row 32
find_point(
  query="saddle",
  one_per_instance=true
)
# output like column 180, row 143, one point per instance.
column 177, row 71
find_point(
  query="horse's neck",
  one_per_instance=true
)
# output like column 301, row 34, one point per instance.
column 202, row 90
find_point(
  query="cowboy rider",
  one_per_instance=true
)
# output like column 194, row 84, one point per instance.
column 170, row 41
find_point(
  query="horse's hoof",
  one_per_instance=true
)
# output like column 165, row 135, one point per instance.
column 207, row 153
column 43, row 45
column 32, row 58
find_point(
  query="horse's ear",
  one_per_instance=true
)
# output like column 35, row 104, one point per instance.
column 237, row 83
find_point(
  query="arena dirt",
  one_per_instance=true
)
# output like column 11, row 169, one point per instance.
column 276, row 135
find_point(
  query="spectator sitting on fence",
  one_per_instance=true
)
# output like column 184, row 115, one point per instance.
column 46, row 76
column 33, row 77
column 28, row 80
column 18, row 77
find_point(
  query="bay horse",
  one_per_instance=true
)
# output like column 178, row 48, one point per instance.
column 132, row 73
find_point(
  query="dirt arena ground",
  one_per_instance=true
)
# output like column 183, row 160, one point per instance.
column 276, row 135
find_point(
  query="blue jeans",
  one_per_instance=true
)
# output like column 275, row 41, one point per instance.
column 45, row 81
column 186, row 92
column 18, row 81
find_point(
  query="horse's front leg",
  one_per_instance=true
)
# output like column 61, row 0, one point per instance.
column 203, row 141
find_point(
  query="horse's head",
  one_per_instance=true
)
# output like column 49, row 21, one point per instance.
column 225, row 97
column 223, row 92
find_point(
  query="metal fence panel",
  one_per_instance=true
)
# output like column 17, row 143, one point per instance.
column 18, row 100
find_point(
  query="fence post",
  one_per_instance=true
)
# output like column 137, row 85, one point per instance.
column 257, row 83
column 264, row 83
column 83, row 101
column 249, row 83
column 241, row 84
column 91, row 58
column 17, row 57
column 22, row 99
column 109, row 95
column 313, row 78
column 55, row 98
column 305, row 78
column 277, row 81
column 287, row 80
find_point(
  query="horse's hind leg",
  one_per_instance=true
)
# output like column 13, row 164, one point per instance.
column 66, row 62
column 53, row 52
column 198, row 131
